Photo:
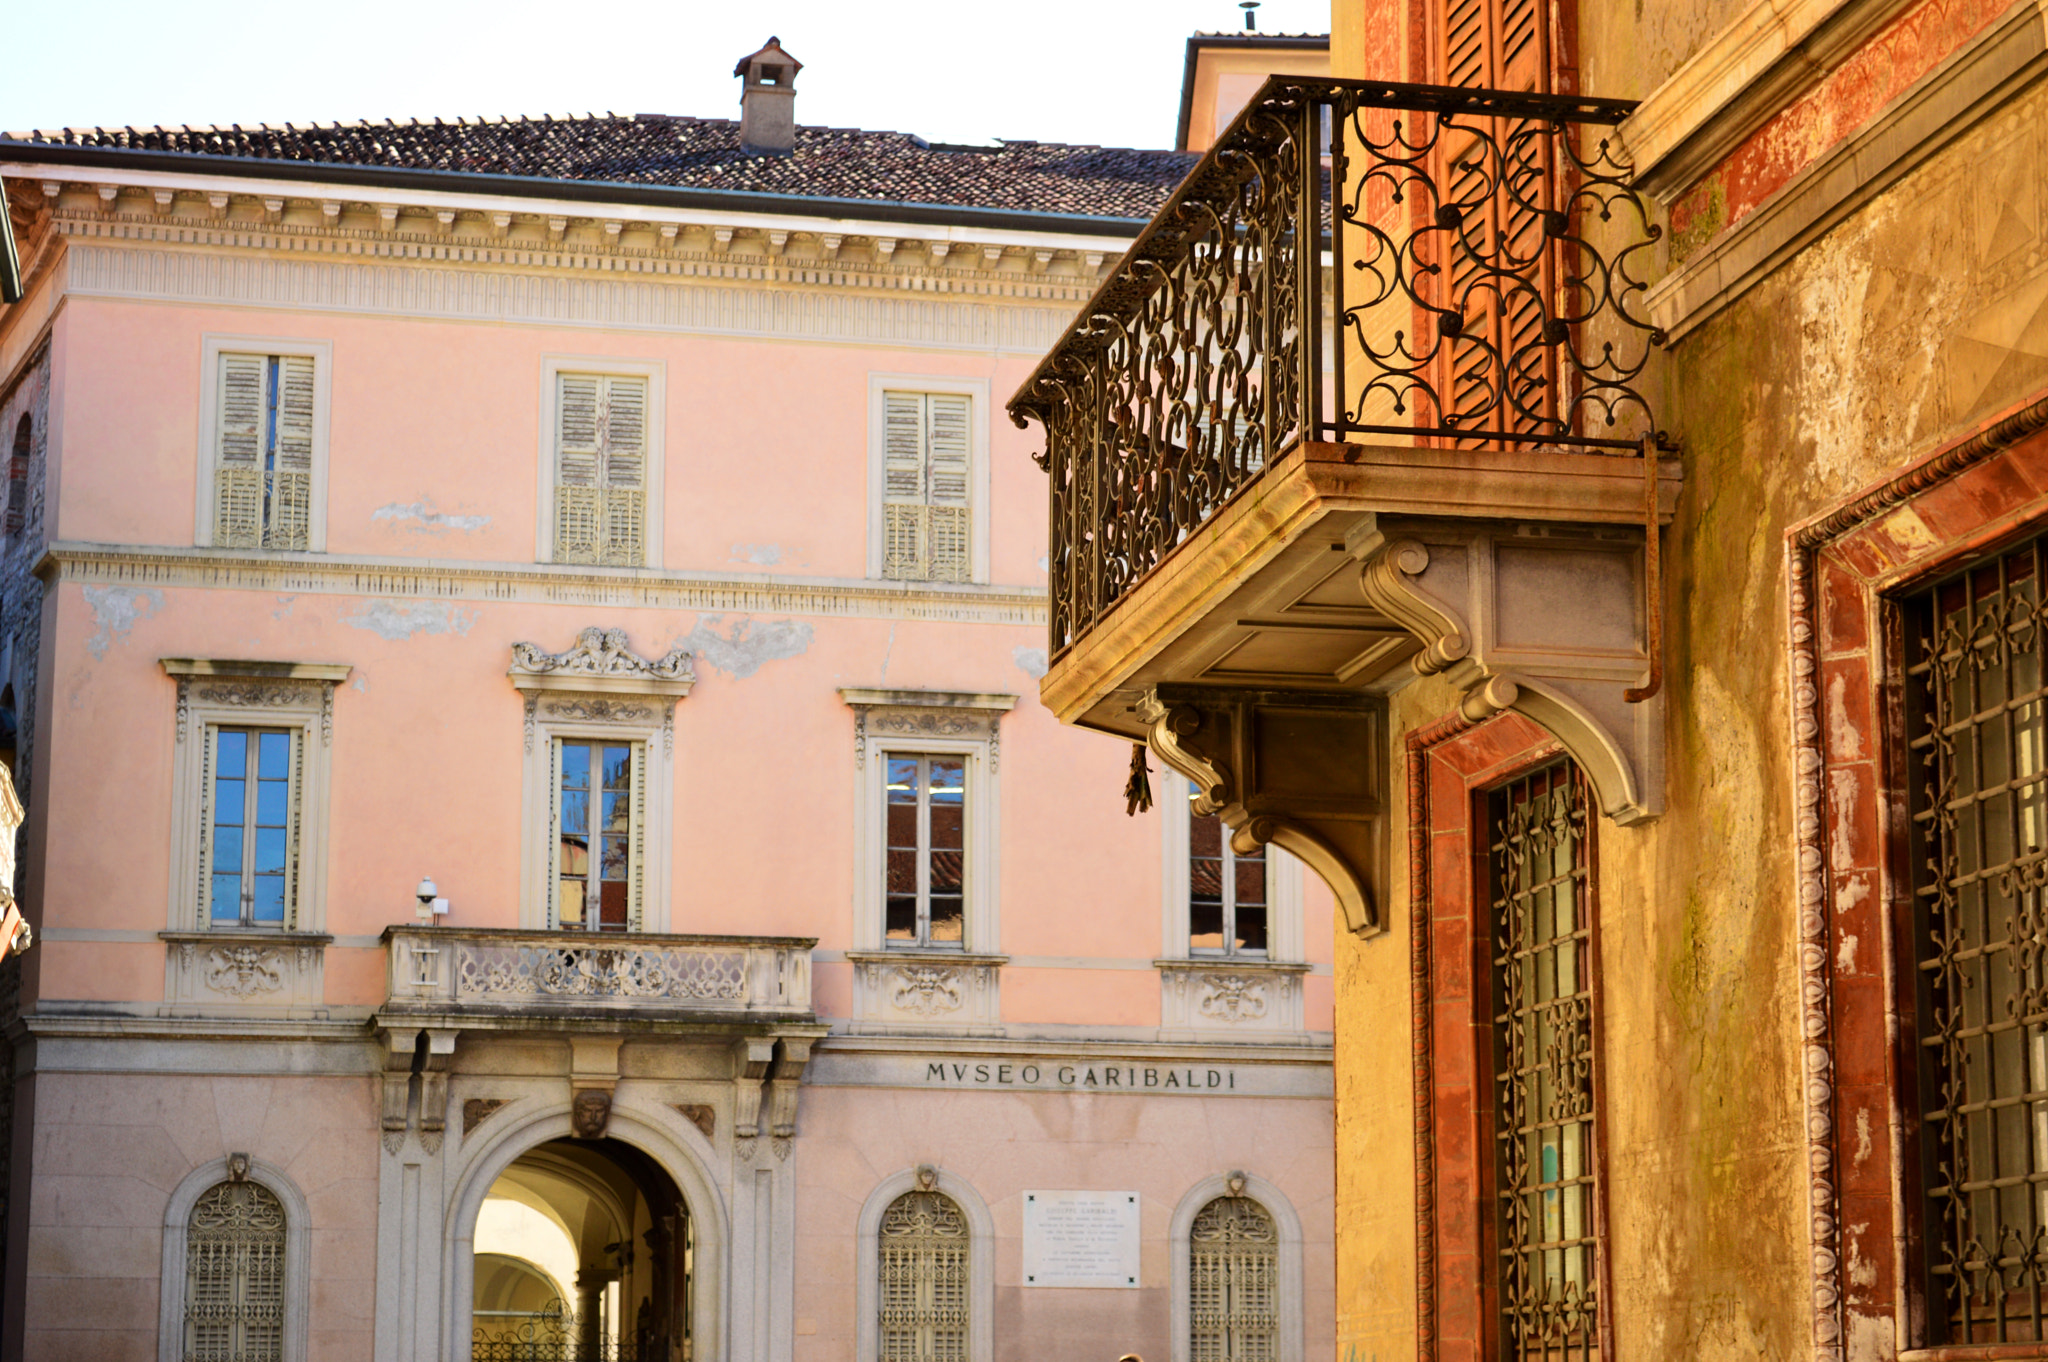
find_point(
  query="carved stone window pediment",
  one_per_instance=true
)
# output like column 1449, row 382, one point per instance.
column 602, row 660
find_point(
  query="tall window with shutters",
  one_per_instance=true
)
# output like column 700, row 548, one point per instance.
column 235, row 1275
column 601, row 469
column 927, row 486
column 263, row 452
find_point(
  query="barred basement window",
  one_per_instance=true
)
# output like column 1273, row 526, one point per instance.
column 926, row 519
column 1233, row 1297
column 601, row 469
column 263, row 452
column 1979, row 857
column 924, row 1280
column 234, row 1276
column 1543, row 1119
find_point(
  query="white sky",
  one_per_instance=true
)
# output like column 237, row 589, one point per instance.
column 1088, row 71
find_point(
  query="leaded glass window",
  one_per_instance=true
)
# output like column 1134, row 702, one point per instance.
column 1233, row 1283
column 234, row 1276
column 924, row 1270
column 1979, row 859
column 925, row 858
column 263, row 458
column 1544, row 1108
column 251, row 826
column 1227, row 890
column 598, row 818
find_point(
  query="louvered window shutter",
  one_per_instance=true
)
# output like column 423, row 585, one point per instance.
column 927, row 507
column 600, row 469
column 1500, row 45
column 291, row 485
column 903, row 519
column 238, row 452
column 946, row 449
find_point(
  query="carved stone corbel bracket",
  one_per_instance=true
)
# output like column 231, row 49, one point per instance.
column 791, row 1054
column 1304, row 770
column 751, row 1058
column 1545, row 620
column 423, row 1053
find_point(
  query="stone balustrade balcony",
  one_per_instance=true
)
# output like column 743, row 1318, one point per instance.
column 488, row 978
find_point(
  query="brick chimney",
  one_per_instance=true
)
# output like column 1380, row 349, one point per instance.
column 768, row 101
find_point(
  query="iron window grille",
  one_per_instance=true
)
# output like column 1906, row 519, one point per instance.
column 1228, row 891
column 1471, row 262
column 1234, row 1292
column 1978, row 849
column 925, row 855
column 235, row 1282
column 252, row 820
column 1547, row 1212
column 924, row 1280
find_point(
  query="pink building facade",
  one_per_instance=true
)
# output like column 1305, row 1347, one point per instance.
column 646, row 567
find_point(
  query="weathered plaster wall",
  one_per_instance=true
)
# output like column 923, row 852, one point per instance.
column 1916, row 319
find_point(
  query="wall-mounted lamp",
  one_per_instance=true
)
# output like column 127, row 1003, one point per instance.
column 431, row 904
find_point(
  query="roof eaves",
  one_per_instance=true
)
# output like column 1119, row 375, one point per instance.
column 608, row 191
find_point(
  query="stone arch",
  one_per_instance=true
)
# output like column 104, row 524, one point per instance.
column 1285, row 1222
column 981, row 1260
column 675, row 1145
column 298, row 1232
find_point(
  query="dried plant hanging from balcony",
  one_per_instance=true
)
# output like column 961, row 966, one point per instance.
column 1474, row 281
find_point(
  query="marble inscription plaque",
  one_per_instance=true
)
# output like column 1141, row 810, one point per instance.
column 1081, row 1239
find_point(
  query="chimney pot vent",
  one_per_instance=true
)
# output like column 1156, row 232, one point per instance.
column 768, row 101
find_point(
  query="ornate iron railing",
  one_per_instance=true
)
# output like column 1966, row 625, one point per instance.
column 439, row 968
column 1420, row 262
column 554, row 1334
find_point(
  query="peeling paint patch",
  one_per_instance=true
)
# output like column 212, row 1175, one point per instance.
column 396, row 621
column 760, row 555
column 1862, row 1135
column 284, row 607
column 1845, row 958
column 1030, row 661
column 1844, row 734
column 742, row 649
column 429, row 521
column 116, row 610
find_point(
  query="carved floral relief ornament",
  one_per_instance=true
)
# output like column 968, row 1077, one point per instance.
column 603, row 653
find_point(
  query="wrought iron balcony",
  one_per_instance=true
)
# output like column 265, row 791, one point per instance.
column 480, row 973
column 1420, row 265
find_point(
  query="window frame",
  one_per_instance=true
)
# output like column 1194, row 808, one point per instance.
column 176, row 1244
column 981, row 1260
column 1286, row 942
column 928, row 723
column 212, row 347
column 655, row 371
column 976, row 391
column 1291, row 1281
column 293, row 696
column 617, row 700
column 250, row 826
column 924, row 850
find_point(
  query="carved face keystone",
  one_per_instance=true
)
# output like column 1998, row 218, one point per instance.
column 590, row 1112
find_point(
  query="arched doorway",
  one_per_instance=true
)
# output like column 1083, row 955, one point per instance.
column 583, row 1252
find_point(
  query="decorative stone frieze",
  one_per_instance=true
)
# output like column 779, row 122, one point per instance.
column 1218, row 999
column 603, row 660
column 245, row 973
column 950, row 994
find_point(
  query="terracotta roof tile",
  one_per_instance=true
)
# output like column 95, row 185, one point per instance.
column 697, row 153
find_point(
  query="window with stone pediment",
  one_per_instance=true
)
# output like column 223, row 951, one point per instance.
column 599, row 740
column 253, row 742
